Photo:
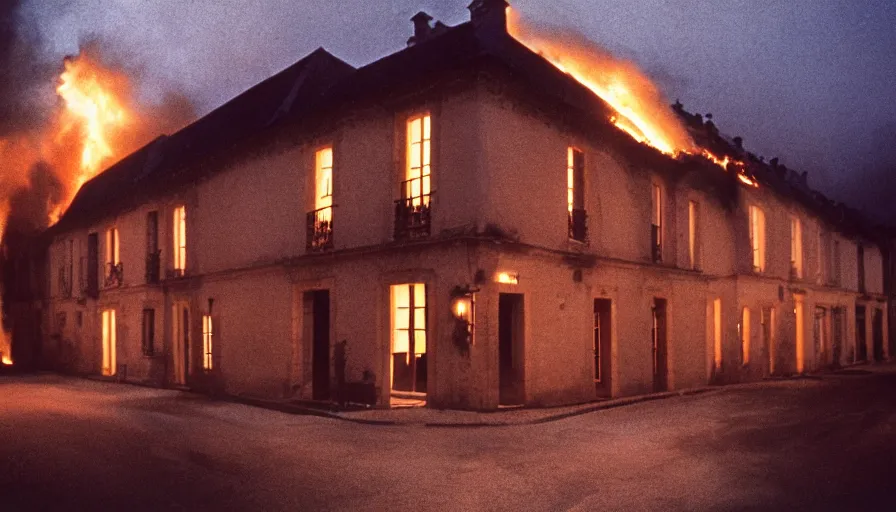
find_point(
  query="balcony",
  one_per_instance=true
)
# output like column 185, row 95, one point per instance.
column 413, row 212
column 578, row 225
column 656, row 244
column 114, row 275
column 319, row 230
column 154, row 267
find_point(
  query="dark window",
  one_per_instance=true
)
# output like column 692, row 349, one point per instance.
column 149, row 331
column 575, row 197
column 153, row 253
column 93, row 265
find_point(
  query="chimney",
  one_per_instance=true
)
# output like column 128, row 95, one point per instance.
column 489, row 14
column 422, row 30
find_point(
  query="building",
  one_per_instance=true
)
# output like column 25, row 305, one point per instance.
column 459, row 222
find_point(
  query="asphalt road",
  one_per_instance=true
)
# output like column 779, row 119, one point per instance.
column 826, row 444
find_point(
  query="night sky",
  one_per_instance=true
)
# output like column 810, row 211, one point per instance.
column 811, row 81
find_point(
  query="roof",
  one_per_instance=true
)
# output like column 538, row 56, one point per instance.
column 321, row 84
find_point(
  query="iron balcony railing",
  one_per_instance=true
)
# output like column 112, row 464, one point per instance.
column 114, row 275
column 319, row 230
column 578, row 225
column 154, row 267
column 413, row 212
column 656, row 244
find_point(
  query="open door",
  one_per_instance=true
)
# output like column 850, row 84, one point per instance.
column 877, row 334
column 180, row 343
column 510, row 349
column 660, row 347
column 602, row 349
column 861, row 348
column 317, row 311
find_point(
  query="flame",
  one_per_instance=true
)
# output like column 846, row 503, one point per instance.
column 642, row 111
column 96, row 109
column 640, row 108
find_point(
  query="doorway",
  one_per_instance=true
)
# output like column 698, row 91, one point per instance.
column 660, row 346
column 822, row 338
column 109, row 342
column 180, row 337
column 768, row 341
column 836, row 336
column 602, row 345
column 861, row 349
column 877, row 334
column 409, row 338
column 510, row 349
column 317, row 329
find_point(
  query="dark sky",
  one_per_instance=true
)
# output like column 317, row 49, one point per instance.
column 811, row 81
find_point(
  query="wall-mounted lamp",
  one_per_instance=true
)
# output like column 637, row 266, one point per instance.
column 508, row 278
column 463, row 306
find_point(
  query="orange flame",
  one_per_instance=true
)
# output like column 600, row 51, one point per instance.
column 641, row 109
column 95, row 107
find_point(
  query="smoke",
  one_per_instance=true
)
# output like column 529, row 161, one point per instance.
column 43, row 138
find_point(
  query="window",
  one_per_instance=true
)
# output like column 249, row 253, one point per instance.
column 409, row 337
column 320, row 221
column 757, row 238
column 149, row 332
column 796, row 248
column 113, row 269
column 153, row 255
column 745, row 336
column 109, row 342
column 412, row 214
column 207, row 343
column 656, row 223
column 717, row 333
column 575, row 194
column 820, row 250
column 93, row 264
column 860, row 261
column 693, row 234
column 180, row 240
column 837, row 269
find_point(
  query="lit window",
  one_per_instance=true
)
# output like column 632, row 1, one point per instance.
column 323, row 179
column 575, row 194
column 693, row 233
column 757, row 238
column 745, row 334
column 113, row 255
column 109, row 341
column 796, row 248
column 418, row 186
column 207, row 343
column 180, row 238
column 717, row 332
column 409, row 337
column 656, row 223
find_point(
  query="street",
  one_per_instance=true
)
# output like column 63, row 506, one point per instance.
column 821, row 443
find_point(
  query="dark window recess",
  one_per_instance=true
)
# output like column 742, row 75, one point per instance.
column 656, row 244
column 93, row 266
column 319, row 235
column 149, row 331
column 578, row 229
column 413, row 212
column 153, row 253
column 861, row 261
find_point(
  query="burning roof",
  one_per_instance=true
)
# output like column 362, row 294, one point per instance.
column 617, row 104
